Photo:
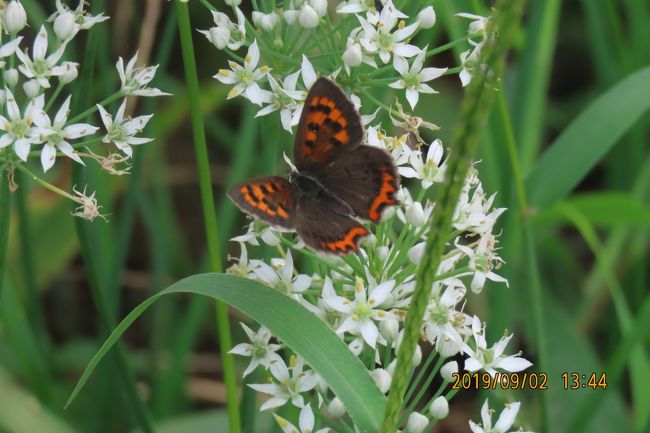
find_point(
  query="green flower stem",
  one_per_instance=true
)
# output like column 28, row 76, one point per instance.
column 115, row 96
column 474, row 113
column 5, row 209
column 209, row 214
column 55, row 95
column 44, row 183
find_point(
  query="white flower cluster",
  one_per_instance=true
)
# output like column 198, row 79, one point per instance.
column 363, row 297
column 29, row 75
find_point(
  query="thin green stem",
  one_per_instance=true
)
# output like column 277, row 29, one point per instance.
column 474, row 114
column 5, row 209
column 115, row 96
column 209, row 214
column 55, row 95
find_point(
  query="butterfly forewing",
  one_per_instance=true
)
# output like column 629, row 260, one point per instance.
column 366, row 179
column 272, row 199
column 324, row 230
column 329, row 122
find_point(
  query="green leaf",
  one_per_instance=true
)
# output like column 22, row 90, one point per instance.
column 296, row 326
column 602, row 209
column 590, row 136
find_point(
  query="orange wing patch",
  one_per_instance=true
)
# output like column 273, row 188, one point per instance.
column 325, row 127
column 386, row 195
column 349, row 243
column 259, row 196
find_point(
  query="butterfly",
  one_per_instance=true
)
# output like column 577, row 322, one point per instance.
column 337, row 179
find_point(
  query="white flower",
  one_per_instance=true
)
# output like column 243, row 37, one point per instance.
column 261, row 352
column 442, row 319
column 58, row 134
column 257, row 229
column 83, row 20
column 71, row 72
column 426, row 17
column 40, row 67
column 9, row 49
column 417, row 422
column 307, row 72
column 245, row 77
column 469, row 62
column 306, row 422
column 281, row 278
column 481, row 262
column 291, row 384
column 505, row 421
column 285, row 98
column 320, row 6
column 489, row 359
column 380, row 39
column 429, row 171
column 19, row 128
column 413, row 78
column 478, row 25
column 31, row 88
column 439, row 408
column 397, row 146
column 14, row 17
column 242, row 267
column 352, row 56
column 361, row 313
column 226, row 33
column 122, row 132
column 135, row 79
column 11, row 77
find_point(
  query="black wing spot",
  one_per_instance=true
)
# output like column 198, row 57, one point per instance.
column 313, row 126
column 324, row 108
column 336, row 142
column 310, row 143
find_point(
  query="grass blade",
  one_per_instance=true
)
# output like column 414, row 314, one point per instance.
column 594, row 132
column 313, row 340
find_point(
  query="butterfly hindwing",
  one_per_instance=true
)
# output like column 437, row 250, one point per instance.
column 366, row 179
column 324, row 230
column 272, row 199
column 329, row 122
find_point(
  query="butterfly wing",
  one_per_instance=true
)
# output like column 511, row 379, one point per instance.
column 324, row 230
column 365, row 178
column 272, row 199
column 328, row 122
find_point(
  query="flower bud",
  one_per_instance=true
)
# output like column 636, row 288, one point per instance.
column 353, row 56
column 233, row 2
column 417, row 356
column 382, row 253
column 439, row 408
column 320, row 6
column 447, row 347
column 11, row 77
column 416, row 252
column 336, row 408
column 65, row 26
column 417, row 422
column 70, row 74
column 415, row 214
column 447, row 371
column 3, row 97
column 31, row 88
column 382, row 379
column 389, row 328
column 291, row 16
column 426, row 18
column 14, row 17
column 266, row 22
column 308, row 18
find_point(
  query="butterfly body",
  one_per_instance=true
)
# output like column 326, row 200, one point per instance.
column 337, row 178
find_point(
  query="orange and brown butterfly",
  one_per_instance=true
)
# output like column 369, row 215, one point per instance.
column 338, row 179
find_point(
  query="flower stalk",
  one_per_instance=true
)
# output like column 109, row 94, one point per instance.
column 5, row 208
column 474, row 114
column 209, row 214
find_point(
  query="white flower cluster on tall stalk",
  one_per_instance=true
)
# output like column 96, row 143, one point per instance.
column 274, row 56
column 36, row 119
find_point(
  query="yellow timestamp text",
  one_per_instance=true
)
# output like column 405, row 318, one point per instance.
column 575, row 380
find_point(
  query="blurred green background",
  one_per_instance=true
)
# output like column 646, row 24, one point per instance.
column 584, row 241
